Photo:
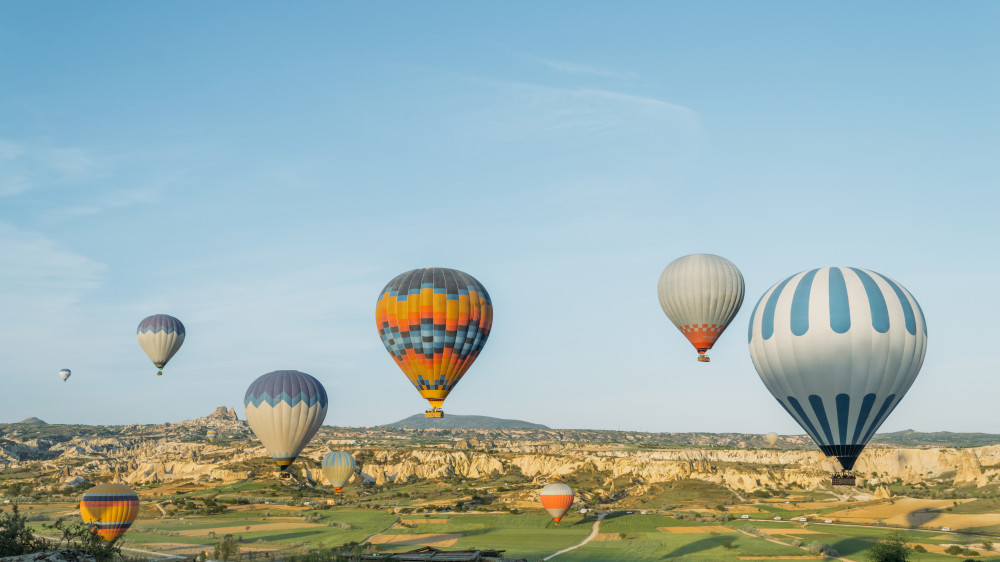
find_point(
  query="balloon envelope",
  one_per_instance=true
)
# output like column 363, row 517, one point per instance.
column 434, row 322
column 701, row 294
column 557, row 499
column 65, row 374
column 111, row 508
column 838, row 347
column 160, row 336
column 211, row 435
column 771, row 438
column 285, row 409
column 338, row 467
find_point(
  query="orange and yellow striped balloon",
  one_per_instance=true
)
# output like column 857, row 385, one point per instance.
column 111, row 508
column 434, row 322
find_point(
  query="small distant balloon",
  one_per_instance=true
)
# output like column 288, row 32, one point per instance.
column 160, row 336
column 771, row 438
column 211, row 434
column 110, row 509
column 64, row 374
column 338, row 467
column 557, row 499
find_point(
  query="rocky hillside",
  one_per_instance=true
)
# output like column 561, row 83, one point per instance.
column 53, row 457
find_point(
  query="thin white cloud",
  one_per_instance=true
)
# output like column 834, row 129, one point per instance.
column 24, row 166
column 519, row 110
column 115, row 199
column 586, row 70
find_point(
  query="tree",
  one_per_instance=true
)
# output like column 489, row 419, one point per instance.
column 226, row 549
column 892, row 548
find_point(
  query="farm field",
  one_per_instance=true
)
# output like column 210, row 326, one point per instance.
column 287, row 530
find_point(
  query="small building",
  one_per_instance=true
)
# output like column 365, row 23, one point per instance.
column 744, row 516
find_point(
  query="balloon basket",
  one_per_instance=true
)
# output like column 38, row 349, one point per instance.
column 704, row 359
column 843, row 479
column 284, row 474
column 435, row 413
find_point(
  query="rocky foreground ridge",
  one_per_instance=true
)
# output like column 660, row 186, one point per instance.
column 73, row 455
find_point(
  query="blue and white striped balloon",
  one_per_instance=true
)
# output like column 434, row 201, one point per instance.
column 838, row 347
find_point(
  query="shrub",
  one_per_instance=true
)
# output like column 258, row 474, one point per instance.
column 892, row 548
column 84, row 537
column 15, row 537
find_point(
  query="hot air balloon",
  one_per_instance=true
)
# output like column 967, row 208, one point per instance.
column 771, row 438
column 285, row 409
column 111, row 508
column 64, row 374
column 838, row 347
column 338, row 467
column 557, row 499
column 701, row 294
column 160, row 336
column 434, row 322
column 211, row 434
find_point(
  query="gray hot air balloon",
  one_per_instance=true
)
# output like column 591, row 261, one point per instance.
column 160, row 336
column 701, row 294
column 285, row 409
column 64, row 374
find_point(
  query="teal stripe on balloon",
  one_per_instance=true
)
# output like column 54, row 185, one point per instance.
column 820, row 411
column 866, row 408
column 840, row 307
column 800, row 304
column 753, row 315
column 876, row 302
column 767, row 329
column 911, row 321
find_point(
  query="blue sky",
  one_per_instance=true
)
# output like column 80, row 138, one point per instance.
column 261, row 171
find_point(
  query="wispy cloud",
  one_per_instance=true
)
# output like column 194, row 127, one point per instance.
column 586, row 70
column 102, row 202
column 520, row 110
column 25, row 166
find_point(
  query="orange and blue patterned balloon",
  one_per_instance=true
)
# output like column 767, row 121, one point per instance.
column 211, row 434
column 110, row 509
column 434, row 322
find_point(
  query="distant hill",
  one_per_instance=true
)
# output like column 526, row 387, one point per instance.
column 449, row 421
column 910, row 438
column 33, row 421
